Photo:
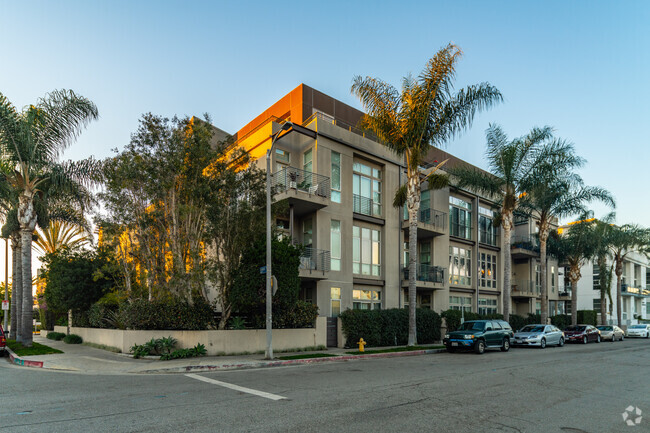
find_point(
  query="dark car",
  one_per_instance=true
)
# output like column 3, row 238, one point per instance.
column 479, row 335
column 3, row 342
column 581, row 334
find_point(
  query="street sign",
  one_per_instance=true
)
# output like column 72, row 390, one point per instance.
column 263, row 270
column 5, row 305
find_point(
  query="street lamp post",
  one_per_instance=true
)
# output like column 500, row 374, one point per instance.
column 269, row 295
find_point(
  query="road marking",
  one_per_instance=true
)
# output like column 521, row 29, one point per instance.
column 237, row 387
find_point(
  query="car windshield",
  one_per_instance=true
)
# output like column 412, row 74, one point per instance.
column 472, row 326
column 575, row 328
column 605, row 328
column 637, row 326
column 530, row 328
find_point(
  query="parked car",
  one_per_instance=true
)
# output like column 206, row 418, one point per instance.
column 3, row 342
column 479, row 335
column 611, row 333
column 581, row 334
column 638, row 331
column 538, row 335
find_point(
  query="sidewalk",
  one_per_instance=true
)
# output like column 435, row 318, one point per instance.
column 89, row 360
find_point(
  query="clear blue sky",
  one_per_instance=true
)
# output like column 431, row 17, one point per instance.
column 579, row 66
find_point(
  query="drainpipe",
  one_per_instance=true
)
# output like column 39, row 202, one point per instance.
column 291, row 222
column 478, row 282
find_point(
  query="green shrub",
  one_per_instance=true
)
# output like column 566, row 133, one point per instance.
column 155, row 346
column 561, row 320
column 56, row 336
column 170, row 314
column 139, row 351
column 301, row 315
column 198, row 350
column 389, row 327
column 72, row 339
column 588, row 317
column 237, row 323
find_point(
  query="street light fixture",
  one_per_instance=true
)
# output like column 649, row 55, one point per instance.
column 269, row 295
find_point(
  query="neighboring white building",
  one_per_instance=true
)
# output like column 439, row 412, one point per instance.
column 635, row 290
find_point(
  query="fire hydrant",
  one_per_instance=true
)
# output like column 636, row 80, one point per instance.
column 361, row 344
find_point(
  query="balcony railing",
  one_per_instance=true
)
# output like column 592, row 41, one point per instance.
column 488, row 237
column 313, row 259
column 460, row 230
column 434, row 217
column 529, row 243
column 293, row 178
column 426, row 273
column 341, row 124
column 524, row 287
column 365, row 206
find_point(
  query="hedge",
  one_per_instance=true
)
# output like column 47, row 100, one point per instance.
column 453, row 318
column 588, row 317
column 389, row 327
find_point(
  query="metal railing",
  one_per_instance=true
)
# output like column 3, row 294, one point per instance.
column 460, row 230
column 341, row 124
column 489, row 237
column 427, row 273
column 365, row 206
column 524, row 287
column 293, row 178
column 530, row 243
column 313, row 259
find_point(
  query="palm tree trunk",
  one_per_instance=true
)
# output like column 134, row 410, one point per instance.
column 28, row 297
column 574, row 301
column 619, row 297
column 413, row 205
column 542, row 270
column 69, row 321
column 16, row 291
column 603, row 306
column 507, row 265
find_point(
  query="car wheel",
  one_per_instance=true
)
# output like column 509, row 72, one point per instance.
column 585, row 340
column 542, row 344
column 506, row 345
column 561, row 342
column 479, row 347
column 622, row 337
column 598, row 339
column 647, row 335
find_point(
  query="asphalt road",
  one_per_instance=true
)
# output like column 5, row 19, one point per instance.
column 572, row 389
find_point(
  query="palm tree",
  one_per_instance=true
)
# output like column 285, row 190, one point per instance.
column 602, row 234
column 624, row 240
column 426, row 112
column 576, row 246
column 558, row 193
column 31, row 143
column 512, row 169
column 59, row 234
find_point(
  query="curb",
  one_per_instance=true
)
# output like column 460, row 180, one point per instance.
column 268, row 364
column 23, row 362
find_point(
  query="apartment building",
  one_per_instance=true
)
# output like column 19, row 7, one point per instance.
column 635, row 291
column 339, row 183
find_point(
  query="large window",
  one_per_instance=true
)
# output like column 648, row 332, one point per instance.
column 487, row 306
column 366, row 251
column 460, row 266
column 552, row 279
column 366, row 189
column 307, row 163
column 366, row 300
column 538, row 278
column 488, row 270
column 460, row 302
column 596, row 304
column 425, row 253
column 307, row 232
column 460, row 218
column 487, row 231
column 336, row 177
column 335, row 245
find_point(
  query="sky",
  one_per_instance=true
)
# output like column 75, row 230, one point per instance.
column 579, row 66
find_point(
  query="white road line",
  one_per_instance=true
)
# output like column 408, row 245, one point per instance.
column 237, row 387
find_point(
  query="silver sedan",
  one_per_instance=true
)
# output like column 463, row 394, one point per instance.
column 538, row 335
column 612, row 333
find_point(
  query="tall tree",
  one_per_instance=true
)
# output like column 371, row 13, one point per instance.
column 31, row 143
column 558, row 193
column 623, row 241
column 602, row 235
column 512, row 165
column 427, row 112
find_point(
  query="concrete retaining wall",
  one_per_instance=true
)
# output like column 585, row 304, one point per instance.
column 216, row 342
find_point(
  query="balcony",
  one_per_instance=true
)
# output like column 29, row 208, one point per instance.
column 314, row 264
column 366, row 206
column 565, row 292
column 524, row 247
column 430, row 223
column 306, row 191
column 524, row 289
column 427, row 277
